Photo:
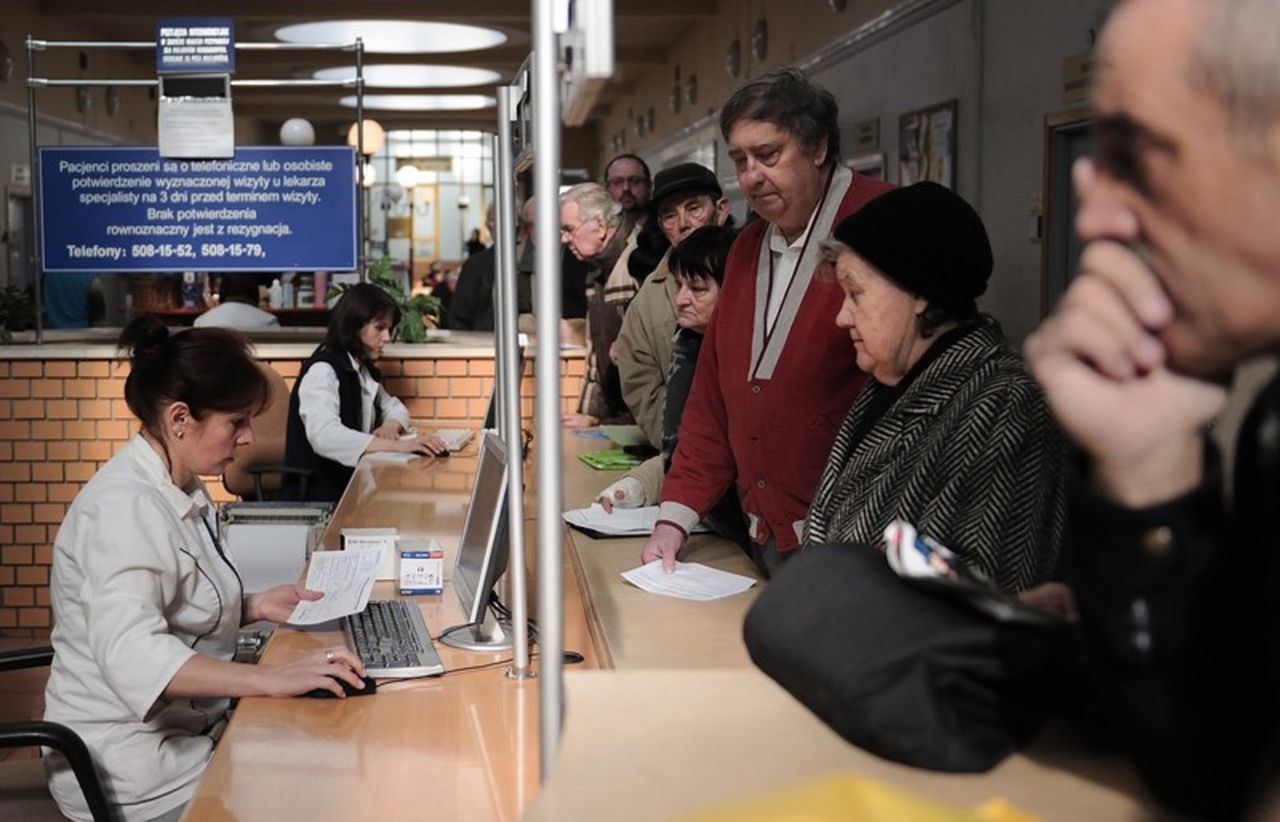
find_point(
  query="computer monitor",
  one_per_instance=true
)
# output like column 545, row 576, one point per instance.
column 482, row 552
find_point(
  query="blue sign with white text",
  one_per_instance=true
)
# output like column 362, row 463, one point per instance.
column 265, row 209
column 196, row 44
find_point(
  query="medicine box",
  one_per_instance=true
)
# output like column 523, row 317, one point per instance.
column 385, row 540
column 422, row 571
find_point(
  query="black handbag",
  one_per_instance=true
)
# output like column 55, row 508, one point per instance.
column 905, row 672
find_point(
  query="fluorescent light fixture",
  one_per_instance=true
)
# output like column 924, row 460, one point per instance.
column 414, row 76
column 422, row 102
column 394, row 36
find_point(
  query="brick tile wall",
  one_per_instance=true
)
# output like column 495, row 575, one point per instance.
column 60, row 420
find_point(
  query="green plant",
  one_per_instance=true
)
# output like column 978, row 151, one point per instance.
column 17, row 311
column 413, row 307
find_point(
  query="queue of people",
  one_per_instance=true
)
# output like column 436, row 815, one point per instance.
column 808, row 381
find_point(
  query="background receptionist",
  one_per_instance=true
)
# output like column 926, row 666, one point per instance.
column 339, row 410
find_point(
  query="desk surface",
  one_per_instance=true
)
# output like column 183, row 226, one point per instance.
column 462, row 747
column 634, row 629
column 707, row 738
column 650, row 740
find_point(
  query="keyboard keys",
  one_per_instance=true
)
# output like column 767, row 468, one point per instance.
column 392, row 640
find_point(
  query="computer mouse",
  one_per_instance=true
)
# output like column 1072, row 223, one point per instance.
column 370, row 686
column 573, row 658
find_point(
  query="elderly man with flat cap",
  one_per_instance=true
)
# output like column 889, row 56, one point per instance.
column 687, row 196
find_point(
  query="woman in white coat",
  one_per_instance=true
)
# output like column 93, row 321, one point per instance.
column 146, row 602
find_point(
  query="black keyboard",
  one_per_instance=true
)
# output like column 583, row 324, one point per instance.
column 392, row 640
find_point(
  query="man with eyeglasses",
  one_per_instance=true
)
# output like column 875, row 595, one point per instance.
column 594, row 226
column 1178, row 284
column 627, row 178
column 687, row 196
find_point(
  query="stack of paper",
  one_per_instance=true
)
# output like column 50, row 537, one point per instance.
column 691, row 580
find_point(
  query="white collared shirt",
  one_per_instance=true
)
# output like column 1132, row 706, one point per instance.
column 785, row 257
column 137, row 581
column 319, row 406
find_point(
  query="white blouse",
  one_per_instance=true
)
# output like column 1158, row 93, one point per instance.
column 138, row 588
column 319, row 404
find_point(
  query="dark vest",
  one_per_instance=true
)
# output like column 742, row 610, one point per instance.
column 329, row 478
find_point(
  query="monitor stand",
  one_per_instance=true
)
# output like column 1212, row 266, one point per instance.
column 486, row 636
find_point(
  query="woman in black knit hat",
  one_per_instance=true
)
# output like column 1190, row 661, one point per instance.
column 950, row 434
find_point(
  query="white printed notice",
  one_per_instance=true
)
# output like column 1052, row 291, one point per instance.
column 345, row 577
column 275, row 209
column 691, row 580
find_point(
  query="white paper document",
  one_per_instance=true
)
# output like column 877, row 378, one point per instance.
column 622, row 522
column 691, row 580
column 345, row 577
column 392, row 456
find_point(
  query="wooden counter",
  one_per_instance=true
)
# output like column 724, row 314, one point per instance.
column 684, row 723
column 459, row 747
column 635, row 629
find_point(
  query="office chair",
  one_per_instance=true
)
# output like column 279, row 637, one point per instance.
column 258, row 471
column 24, row 793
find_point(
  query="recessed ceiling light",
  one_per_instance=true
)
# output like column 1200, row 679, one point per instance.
column 422, row 102
column 394, row 36
column 414, row 76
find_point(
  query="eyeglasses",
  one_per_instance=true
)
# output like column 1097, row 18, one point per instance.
column 567, row 234
column 629, row 182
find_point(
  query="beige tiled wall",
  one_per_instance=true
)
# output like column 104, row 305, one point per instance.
column 61, row 419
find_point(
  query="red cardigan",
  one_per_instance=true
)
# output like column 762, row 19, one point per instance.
column 771, row 433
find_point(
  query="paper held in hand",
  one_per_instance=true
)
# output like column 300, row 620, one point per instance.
column 346, row 579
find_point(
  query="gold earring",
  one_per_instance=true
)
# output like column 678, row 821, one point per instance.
column 180, row 433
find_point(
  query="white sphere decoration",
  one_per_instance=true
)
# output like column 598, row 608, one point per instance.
column 297, row 132
column 407, row 175
column 394, row 192
column 370, row 175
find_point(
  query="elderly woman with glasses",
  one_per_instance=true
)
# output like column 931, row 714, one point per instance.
column 950, row 432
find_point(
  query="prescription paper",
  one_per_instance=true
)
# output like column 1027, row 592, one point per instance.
column 691, row 580
column 345, row 577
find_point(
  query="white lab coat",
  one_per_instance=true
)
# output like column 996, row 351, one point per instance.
column 318, row 406
column 137, row 581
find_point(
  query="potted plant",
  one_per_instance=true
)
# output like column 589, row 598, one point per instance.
column 415, row 309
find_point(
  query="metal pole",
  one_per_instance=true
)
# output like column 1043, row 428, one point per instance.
column 509, row 357
column 362, row 259
column 35, row 190
column 546, row 185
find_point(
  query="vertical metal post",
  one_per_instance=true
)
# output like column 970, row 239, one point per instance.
column 547, row 420
column 509, row 356
column 35, row 257
column 362, row 255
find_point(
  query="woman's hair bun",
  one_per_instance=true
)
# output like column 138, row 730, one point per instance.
column 143, row 338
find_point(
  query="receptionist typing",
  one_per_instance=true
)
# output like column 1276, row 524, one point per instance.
column 146, row 604
column 339, row 410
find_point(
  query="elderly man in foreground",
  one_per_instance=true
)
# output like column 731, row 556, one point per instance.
column 1179, row 282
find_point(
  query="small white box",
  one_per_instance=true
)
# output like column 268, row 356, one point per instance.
column 385, row 540
column 422, row 570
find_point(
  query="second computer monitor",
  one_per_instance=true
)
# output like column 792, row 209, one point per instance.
column 483, row 551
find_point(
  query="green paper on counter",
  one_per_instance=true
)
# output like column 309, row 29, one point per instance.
column 615, row 460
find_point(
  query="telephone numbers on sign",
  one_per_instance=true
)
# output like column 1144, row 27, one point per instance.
column 180, row 250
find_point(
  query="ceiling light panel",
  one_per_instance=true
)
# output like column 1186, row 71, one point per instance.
column 394, row 36
column 414, row 76
column 422, row 102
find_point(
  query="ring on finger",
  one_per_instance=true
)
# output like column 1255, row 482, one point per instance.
column 328, row 655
